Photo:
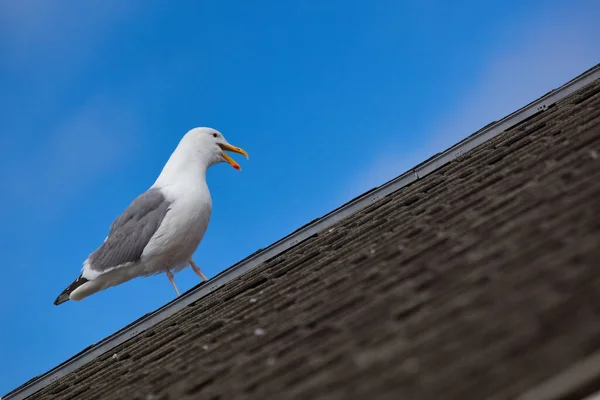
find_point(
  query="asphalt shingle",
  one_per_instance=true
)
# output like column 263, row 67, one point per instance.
column 480, row 280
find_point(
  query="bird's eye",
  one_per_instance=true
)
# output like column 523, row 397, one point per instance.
column 215, row 135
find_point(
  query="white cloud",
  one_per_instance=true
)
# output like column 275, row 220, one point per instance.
column 49, row 20
column 49, row 43
column 550, row 51
column 381, row 170
column 61, row 31
column 93, row 141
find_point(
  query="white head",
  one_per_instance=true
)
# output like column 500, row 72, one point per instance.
column 210, row 146
column 199, row 149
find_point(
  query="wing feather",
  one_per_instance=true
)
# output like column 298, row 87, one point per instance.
column 131, row 231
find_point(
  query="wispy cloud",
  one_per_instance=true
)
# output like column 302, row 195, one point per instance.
column 49, row 43
column 56, row 30
column 549, row 52
column 50, row 21
column 94, row 140
column 547, row 55
column 384, row 168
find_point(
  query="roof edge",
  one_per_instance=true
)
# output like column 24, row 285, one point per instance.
column 254, row 260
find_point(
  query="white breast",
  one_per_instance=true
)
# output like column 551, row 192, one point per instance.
column 181, row 230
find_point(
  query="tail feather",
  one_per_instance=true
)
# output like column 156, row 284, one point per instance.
column 64, row 296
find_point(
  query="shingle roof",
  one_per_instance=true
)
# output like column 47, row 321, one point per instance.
column 479, row 280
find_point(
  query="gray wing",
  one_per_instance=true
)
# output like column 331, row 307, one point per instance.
column 131, row 231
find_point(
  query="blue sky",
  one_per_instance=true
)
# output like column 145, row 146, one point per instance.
column 330, row 98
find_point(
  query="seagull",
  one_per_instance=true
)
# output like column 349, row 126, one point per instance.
column 162, row 228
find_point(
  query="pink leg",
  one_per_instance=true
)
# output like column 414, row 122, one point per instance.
column 170, row 276
column 197, row 270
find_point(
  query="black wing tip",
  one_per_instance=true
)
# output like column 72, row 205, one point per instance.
column 64, row 296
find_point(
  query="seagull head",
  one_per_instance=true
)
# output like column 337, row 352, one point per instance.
column 212, row 146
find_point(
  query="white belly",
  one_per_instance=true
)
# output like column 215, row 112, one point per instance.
column 178, row 236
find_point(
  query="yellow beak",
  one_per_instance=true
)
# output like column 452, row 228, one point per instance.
column 233, row 149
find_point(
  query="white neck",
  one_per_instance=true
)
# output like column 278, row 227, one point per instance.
column 185, row 166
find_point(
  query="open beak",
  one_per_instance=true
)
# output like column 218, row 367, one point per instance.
column 233, row 149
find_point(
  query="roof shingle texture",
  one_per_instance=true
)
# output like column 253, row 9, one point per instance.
column 479, row 281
